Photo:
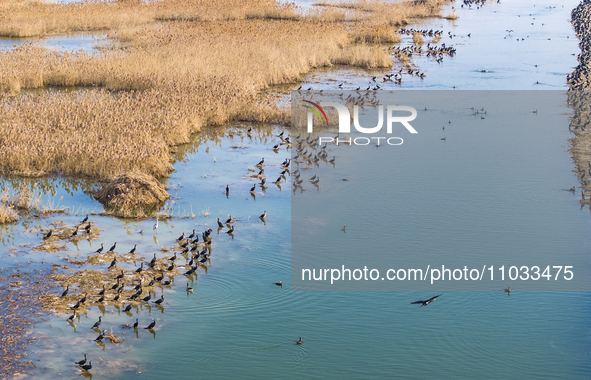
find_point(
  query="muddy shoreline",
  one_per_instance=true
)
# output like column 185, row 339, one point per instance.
column 22, row 294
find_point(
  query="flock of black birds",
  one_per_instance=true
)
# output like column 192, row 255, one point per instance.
column 195, row 248
column 150, row 274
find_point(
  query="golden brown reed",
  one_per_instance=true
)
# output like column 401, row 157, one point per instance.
column 178, row 65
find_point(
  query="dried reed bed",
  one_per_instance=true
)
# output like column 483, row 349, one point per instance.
column 179, row 65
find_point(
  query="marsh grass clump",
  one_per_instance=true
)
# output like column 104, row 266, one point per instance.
column 24, row 199
column 7, row 214
column 417, row 39
column 382, row 33
column 132, row 195
column 452, row 16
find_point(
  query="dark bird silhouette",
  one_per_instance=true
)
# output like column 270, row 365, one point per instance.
column 133, row 249
column 81, row 362
column 48, row 235
column 189, row 289
column 159, row 300
column 280, row 283
column 300, row 341
column 100, row 249
column 127, row 308
column 182, row 237
column 147, row 298
column 136, row 323
column 87, row 367
column 140, row 269
column 263, row 215
column 65, row 293
column 113, row 263
column 96, row 324
column 151, row 325
column 121, row 275
column 220, row 225
column 84, row 220
column 113, row 247
column 101, row 336
column 71, row 317
column 102, row 292
column 153, row 261
column 426, row 302
column 83, row 299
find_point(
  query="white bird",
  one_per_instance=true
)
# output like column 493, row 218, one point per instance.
column 155, row 225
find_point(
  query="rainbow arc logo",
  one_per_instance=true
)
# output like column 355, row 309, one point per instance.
column 317, row 110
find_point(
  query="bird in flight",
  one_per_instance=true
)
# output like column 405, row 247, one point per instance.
column 426, row 302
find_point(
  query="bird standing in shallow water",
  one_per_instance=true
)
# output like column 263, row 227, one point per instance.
column 127, row 308
column 160, row 300
column 263, row 215
column 136, row 323
column 155, row 225
column 65, row 293
column 133, row 249
column 86, row 367
column 300, row 341
column 112, row 248
column 189, row 289
column 151, row 325
column 101, row 336
column 97, row 324
column 48, row 235
column 81, row 362
column 100, row 249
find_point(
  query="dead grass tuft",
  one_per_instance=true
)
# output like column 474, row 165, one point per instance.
column 132, row 195
column 7, row 214
column 417, row 39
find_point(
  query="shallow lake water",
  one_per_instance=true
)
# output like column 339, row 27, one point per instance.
column 87, row 43
column 238, row 324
